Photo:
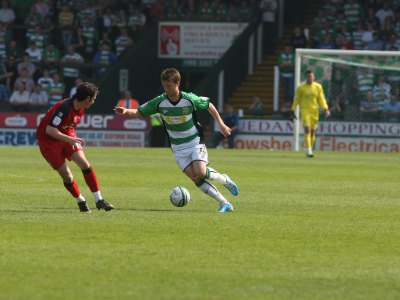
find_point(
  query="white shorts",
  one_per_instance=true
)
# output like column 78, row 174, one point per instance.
column 186, row 156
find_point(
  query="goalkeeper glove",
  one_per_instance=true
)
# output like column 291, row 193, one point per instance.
column 327, row 113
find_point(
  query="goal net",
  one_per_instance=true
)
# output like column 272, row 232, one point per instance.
column 362, row 90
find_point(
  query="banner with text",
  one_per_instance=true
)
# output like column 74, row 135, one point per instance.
column 88, row 121
column 196, row 40
column 285, row 142
column 97, row 138
column 324, row 128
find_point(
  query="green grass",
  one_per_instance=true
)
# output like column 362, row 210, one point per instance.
column 322, row 228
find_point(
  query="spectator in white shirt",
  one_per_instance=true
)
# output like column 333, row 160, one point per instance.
column 7, row 15
column 34, row 53
column 384, row 12
column 39, row 98
column 20, row 98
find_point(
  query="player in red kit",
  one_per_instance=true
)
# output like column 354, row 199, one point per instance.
column 58, row 141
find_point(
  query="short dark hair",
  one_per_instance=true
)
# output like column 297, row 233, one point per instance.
column 171, row 74
column 309, row 72
column 84, row 90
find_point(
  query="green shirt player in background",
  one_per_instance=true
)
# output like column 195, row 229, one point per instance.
column 178, row 113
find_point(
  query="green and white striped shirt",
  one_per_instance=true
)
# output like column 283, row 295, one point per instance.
column 179, row 117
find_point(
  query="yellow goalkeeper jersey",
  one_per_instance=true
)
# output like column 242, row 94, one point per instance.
column 310, row 97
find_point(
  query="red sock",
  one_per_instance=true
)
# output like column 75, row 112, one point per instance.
column 91, row 179
column 73, row 189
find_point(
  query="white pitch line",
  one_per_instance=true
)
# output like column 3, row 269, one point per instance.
column 35, row 179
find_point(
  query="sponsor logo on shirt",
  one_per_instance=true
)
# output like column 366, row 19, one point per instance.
column 175, row 119
column 57, row 121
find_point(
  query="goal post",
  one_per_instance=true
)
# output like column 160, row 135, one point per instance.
column 349, row 77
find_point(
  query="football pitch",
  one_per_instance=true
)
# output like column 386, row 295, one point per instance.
column 321, row 228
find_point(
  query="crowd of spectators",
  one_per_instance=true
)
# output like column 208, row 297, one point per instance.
column 352, row 25
column 46, row 46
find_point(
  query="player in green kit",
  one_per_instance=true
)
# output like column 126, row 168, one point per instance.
column 178, row 113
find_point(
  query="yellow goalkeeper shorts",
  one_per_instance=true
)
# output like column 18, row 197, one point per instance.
column 309, row 120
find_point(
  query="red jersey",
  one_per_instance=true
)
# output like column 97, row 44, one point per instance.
column 62, row 116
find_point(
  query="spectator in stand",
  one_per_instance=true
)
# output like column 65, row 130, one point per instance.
column 5, row 78
column 66, row 20
column 257, row 107
column 123, row 41
column 108, row 19
column 231, row 119
column 336, row 108
column 391, row 109
column 26, row 79
column 7, row 14
column 38, row 38
column 269, row 9
column 343, row 43
column 45, row 80
column 86, row 10
column 105, row 38
column 206, row 11
column 357, row 36
column 245, row 12
column 328, row 28
column 39, row 98
column 330, row 10
column 384, row 12
column 26, row 64
column 71, row 72
column 5, row 36
column 157, row 11
column 340, row 20
column 344, row 30
column 51, row 56
column 318, row 22
column 368, row 104
column 48, row 28
column 286, row 68
column 42, row 8
column 72, row 92
column 393, row 43
column 127, row 101
column 56, row 90
column 233, row 16
column 79, row 41
column 91, row 37
column 327, row 42
column 371, row 18
column 382, row 91
column 34, row 53
column 174, row 11
column 221, row 12
column 353, row 11
column 190, row 11
column 376, row 43
column 137, row 20
column 31, row 20
column 14, row 56
column 387, row 30
column 121, row 20
column 367, row 35
column 104, row 57
column 365, row 79
column 20, row 98
column 299, row 40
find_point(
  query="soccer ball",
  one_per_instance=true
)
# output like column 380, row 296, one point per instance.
column 179, row 196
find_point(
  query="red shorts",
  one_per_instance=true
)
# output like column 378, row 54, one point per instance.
column 56, row 152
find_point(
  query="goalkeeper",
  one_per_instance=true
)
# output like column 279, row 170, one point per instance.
column 310, row 97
